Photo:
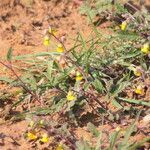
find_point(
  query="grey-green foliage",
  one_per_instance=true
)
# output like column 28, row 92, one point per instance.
column 98, row 7
column 115, row 142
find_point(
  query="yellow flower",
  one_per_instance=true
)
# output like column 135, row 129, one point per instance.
column 60, row 48
column 41, row 122
column 123, row 26
column 79, row 76
column 46, row 41
column 71, row 96
column 44, row 138
column 139, row 90
column 59, row 147
column 146, row 48
column 118, row 129
column 31, row 136
column 52, row 31
column 137, row 72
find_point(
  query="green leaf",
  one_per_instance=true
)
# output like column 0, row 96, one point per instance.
column 139, row 144
column 5, row 79
column 93, row 129
column 113, row 140
column 98, row 85
column 49, row 69
column 116, row 104
column 9, row 54
column 131, row 54
column 70, row 105
column 21, row 99
column 82, row 145
column 99, row 141
column 30, row 79
column 124, row 144
column 134, row 101
column 21, row 57
column 84, row 8
column 115, row 89
column 42, row 111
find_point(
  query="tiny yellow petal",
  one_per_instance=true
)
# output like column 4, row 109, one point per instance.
column 137, row 72
column 79, row 77
column 71, row 96
column 46, row 41
column 123, row 26
column 31, row 136
column 59, row 147
column 118, row 129
column 78, row 73
column 52, row 31
column 60, row 48
column 139, row 90
column 44, row 138
column 41, row 122
column 146, row 48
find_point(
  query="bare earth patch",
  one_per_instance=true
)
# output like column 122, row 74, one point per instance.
column 22, row 26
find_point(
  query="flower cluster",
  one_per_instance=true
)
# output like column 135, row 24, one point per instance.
column 37, row 133
column 47, row 40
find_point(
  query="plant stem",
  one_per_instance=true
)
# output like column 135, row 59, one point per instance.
column 68, row 58
column 23, row 84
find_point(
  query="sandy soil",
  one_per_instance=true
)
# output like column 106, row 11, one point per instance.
column 22, row 26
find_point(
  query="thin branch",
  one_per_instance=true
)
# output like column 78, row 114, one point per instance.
column 23, row 84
